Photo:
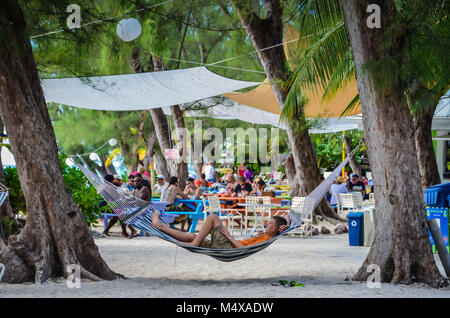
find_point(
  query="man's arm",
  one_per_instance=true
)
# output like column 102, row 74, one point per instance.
column 229, row 237
column 181, row 193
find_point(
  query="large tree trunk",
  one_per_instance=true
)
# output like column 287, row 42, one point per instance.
column 56, row 234
column 265, row 33
column 401, row 248
column 353, row 163
column 425, row 152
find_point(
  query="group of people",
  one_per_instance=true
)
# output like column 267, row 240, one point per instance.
column 139, row 187
column 353, row 184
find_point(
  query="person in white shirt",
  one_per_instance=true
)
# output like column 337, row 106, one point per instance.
column 337, row 188
column 209, row 172
column 161, row 185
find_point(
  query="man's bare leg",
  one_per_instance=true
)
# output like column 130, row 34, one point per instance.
column 211, row 222
column 180, row 236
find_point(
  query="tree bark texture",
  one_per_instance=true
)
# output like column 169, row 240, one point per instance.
column 401, row 247
column 55, row 234
column 265, row 33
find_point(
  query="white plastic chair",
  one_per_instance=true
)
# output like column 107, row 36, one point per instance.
column 251, row 213
column 370, row 201
column 351, row 201
column 300, row 204
column 230, row 215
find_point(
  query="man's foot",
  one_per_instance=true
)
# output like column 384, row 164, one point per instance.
column 156, row 221
column 106, row 233
column 125, row 234
column 133, row 233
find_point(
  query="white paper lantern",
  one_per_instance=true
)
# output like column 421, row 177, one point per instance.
column 128, row 29
column 70, row 162
column 113, row 141
column 93, row 156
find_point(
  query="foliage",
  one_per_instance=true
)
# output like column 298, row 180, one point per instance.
column 84, row 194
column 329, row 148
column 16, row 197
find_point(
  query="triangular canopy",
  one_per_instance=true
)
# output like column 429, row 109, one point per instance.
column 140, row 91
column 263, row 98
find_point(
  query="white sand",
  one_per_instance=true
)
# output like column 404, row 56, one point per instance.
column 156, row 268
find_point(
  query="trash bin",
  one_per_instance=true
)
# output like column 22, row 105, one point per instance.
column 356, row 228
column 437, row 200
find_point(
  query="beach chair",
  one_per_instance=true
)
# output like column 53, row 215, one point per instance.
column 229, row 215
column 251, row 212
column 351, row 201
column 370, row 201
column 298, row 204
column 340, row 209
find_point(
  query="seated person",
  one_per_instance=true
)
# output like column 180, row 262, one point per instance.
column 356, row 185
column 192, row 189
column 202, row 182
column 258, row 187
column 243, row 189
column 130, row 183
column 160, row 185
column 170, row 195
column 336, row 189
column 231, row 183
column 220, row 237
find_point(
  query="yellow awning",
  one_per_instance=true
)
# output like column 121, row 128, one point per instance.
column 263, row 98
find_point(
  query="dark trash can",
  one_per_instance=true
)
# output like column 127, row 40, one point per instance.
column 356, row 228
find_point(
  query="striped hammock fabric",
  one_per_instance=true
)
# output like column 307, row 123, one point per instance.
column 3, row 193
column 137, row 213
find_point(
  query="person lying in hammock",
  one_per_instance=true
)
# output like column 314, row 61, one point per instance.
column 220, row 237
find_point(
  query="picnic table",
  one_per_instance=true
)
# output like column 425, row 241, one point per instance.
column 195, row 215
column 160, row 206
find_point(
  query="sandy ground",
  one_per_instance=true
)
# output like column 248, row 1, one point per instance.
column 155, row 268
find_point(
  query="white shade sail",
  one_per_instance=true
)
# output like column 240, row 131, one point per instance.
column 140, row 91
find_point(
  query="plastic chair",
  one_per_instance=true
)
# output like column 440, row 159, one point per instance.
column 213, row 206
column 300, row 204
column 351, row 201
column 251, row 212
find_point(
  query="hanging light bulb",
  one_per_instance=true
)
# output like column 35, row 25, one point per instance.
column 93, row 156
column 113, row 141
column 70, row 162
column 128, row 29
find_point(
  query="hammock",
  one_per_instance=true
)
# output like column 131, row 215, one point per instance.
column 3, row 193
column 137, row 213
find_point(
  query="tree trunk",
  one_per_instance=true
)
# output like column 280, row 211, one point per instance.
column 162, row 126
column 150, row 149
column 425, row 152
column 56, row 234
column 401, row 247
column 265, row 33
column 161, row 165
column 180, row 129
column 353, row 163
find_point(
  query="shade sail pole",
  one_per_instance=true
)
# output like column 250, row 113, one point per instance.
column 343, row 153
